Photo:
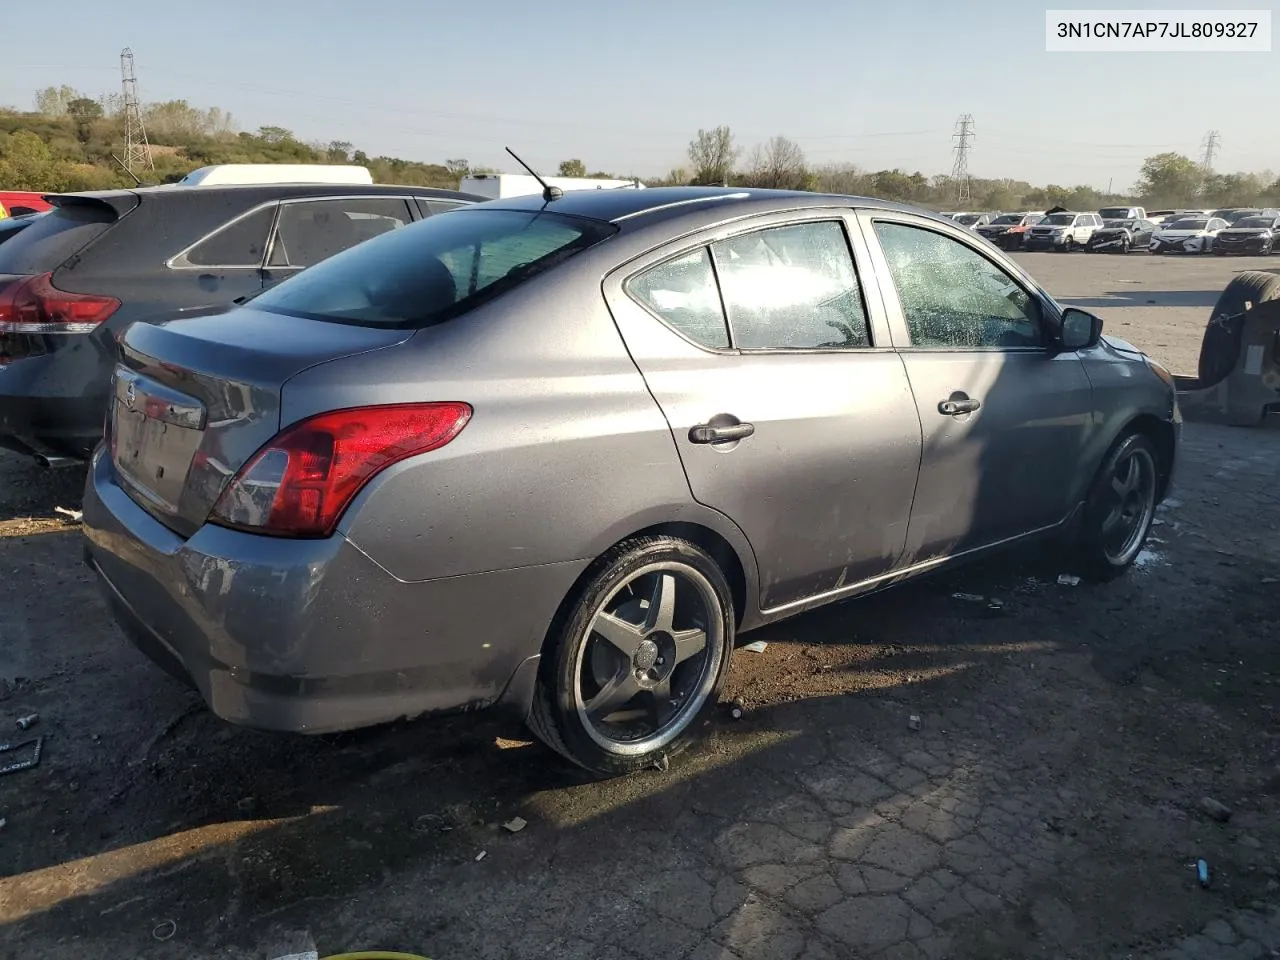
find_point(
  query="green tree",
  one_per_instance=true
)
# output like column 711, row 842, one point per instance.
column 712, row 153
column 778, row 165
column 602, row 175
column 338, row 151
column 572, row 168
column 27, row 164
column 1169, row 179
column 274, row 134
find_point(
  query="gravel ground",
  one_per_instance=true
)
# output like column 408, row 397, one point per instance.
column 1050, row 803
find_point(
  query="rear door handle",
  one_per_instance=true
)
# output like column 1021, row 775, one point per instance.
column 707, row 433
column 954, row 408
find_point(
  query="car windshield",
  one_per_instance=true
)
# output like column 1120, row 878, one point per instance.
column 1264, row 222
column 436, row 269
column 1060, row 219
column 1236, row 215
column 1014, row 218
column 1114, row 213
column 1187, row 225
column 1120, row 223
column 968, row 219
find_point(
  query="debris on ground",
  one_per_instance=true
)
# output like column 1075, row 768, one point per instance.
column 28, row 721
column 969, row 597
column 515, row 824
column 164, row 931
column 913, row 722
column 75, row 515
column 1213, row 808
column 995, row 607
column 737, row 709
column 662, row 764
column 246, row 804
column 756, row 646
column 1202, row 872
column 481, row 855
column 4, row 822
column 37, row 745
column 1068, row 580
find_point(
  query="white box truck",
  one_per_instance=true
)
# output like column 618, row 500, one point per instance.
column 499, row 186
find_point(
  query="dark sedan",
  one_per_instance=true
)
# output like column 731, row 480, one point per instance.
column 1250, row 235
column 1121, row 236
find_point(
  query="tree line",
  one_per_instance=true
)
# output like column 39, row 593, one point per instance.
column 68, row 141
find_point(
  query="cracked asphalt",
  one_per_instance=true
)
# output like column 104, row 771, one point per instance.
column 1046, row 801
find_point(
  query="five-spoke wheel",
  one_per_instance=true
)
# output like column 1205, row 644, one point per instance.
column 636, row 657
column 1120, row 508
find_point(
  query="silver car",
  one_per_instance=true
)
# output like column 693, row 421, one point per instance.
column 555, row 455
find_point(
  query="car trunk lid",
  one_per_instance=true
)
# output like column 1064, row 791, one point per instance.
column 194, row 399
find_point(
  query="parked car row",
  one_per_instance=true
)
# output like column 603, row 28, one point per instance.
column 554, row 452
column 1241, row 230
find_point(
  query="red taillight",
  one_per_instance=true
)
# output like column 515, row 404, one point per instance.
column 35, row 305
column 300, row 483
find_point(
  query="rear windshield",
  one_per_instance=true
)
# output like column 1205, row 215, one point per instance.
column 435, row 269
column 1266, row 222
column 968, row 219
column 1014, row 218
column 51, row 239
column 1060, row 219
column 1115, row 213
column 1187, row 225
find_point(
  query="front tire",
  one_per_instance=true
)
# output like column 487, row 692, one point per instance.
column 1120, row 509
column 636, row 659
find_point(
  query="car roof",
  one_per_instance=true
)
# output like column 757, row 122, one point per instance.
column 665, row 203
column 256, row 192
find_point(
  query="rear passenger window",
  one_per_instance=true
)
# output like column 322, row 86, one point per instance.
column 792, row 288
column 314, row 230
column 683, row 293
column 238, row 244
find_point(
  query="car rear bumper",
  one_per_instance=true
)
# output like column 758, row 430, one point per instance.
column 53, row 403
column 311, row 635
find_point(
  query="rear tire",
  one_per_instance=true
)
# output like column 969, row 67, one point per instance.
column 1119, row 510
column 1224, row 333
column 650, row 633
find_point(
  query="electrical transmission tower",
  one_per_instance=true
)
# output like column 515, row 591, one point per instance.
column 960, row 171
column 1212, row 142
column 137, row 151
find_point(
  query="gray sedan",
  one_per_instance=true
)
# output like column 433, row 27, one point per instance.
column 555, row 455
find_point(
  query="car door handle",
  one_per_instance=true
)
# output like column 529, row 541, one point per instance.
column 707, row 433
column 954, row 408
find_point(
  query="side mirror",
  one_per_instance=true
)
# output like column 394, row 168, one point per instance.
column 1080, row 330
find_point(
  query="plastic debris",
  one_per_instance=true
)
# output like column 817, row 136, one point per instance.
column 1218, row 811
column 481, row 855
column 737, row 709
column 515, row 824
column 1068, row 580
column 968, row 597
column 662, row 764
column 164, row 931
column 4, row 822
column 29, row 721
column 756, row 646
column 1270, row 580
column 75, row 515
column 1202, row 872
column 913, row 722
column 995, row 607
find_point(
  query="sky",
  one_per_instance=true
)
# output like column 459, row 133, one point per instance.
column 625, row 86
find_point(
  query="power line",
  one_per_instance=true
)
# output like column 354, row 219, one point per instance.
column 137, row 151
column 960, row 171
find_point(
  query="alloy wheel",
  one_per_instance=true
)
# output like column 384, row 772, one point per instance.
column 1129, row 502
column 650, row 659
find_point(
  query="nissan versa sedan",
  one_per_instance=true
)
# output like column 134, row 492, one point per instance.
column 555, row 453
